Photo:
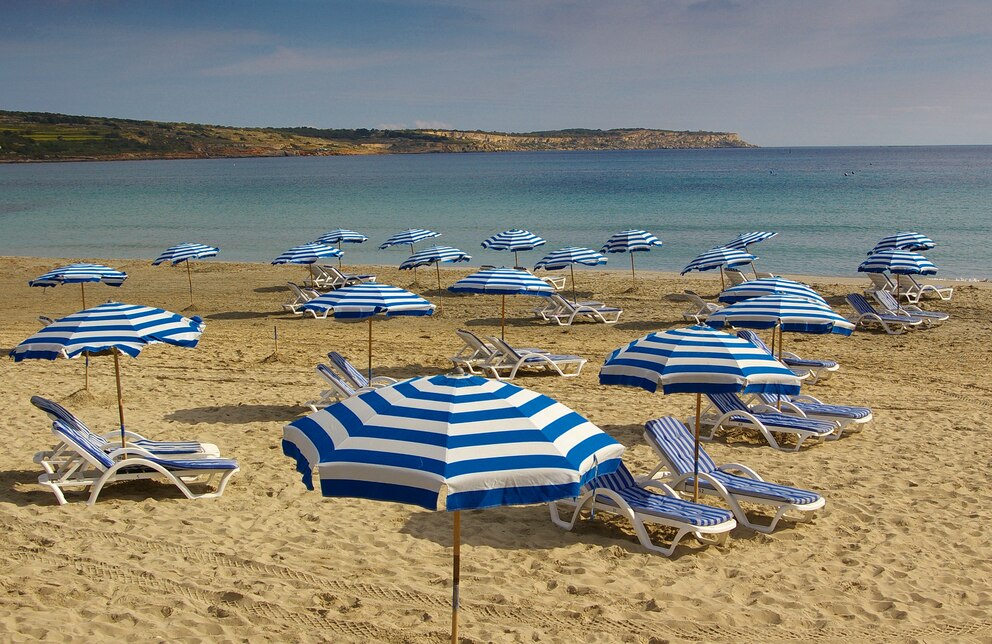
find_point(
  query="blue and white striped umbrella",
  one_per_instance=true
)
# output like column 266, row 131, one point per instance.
column 112, row 327
column 339, row 235
column 365, row 301
column 185, row 252
column 80, row 273
column 514, row 240
column 718, row 258
column 307, row 254
column 409, row 237
column 697, row 360
column 435, row 255
column 631, row 241
column 487, row 443
column 787, row 312
column 502, row 281
column 899, row 262
column 570, row 256
column 769, row 286
column 742, row 241
column 903, row 241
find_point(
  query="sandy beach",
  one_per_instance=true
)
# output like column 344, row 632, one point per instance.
column 900, row 553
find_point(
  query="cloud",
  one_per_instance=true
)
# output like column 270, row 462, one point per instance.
column 432, row 125
column 286, row 60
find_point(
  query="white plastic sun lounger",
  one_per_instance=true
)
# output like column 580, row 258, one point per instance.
column 734, row 276
column 339, row 389
column 734, row 483
column 569, row 311
column 728, row 410
column 345, row 279
column 890, row 304
column 700, row 310
column 813, row 370
column 880, row 282
column 508, row 359
column 914, row 290
column 353, row 376
column 475, row 352
column 619, row 493
column 868, row 316
column 111, row 440
column 91, row 467
column 300, row 297
column 849, row 417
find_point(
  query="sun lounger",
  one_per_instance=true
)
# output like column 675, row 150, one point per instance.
column 880, row 282
column 89, row 466
column 475, row 352
column 339, row 389
column 728, row 410
column 914, row 290
column 569, row 311
column 759, row 275
column 700, row 309
column 672, row 442
column 619, row 493
column 868, row 316
column 734, row 276
column 557, row 282
column 346, row 279
column 353, row 376
column 850, row 418
column 813, row 370
column 552, row 307
column 890, row 304
column 508, row 359
column 111, row 440
column 300, row 297
column 44, row 320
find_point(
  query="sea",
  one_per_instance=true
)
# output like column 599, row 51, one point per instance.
column 829, row 205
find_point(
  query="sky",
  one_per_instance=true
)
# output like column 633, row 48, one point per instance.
column 778, row 72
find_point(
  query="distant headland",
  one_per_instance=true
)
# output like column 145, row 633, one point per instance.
column 44, row 136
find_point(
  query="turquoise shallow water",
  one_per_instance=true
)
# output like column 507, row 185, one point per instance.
column 829, row 204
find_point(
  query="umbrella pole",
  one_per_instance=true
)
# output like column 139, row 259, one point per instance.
column 755, row 270
column 415, row 281
column 723, row 284
column 502, row 321
column 695, row 470
column 370, row 348
column 339, row 256
column 632, row 278
column 440, row 294
column 779, row 327
column 189, row 275
column 455, row 575
column 516, row 261
column 120, row 397
column 86, row 364
column 575, row 297
column 82, row 290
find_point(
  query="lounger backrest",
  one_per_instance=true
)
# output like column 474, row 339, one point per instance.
column 886, row 300
column 504, row 348
column 334, row 380
column 674, row 440
column 474, row 342
column 755, row 339
column 773, row 399
column 880, row 280
column 695, row 298
column 348, row 369
column 620, row 479
column 298, row 291
column 562, row 302
column 727, row 402
column 89, row 449
column 860, row 304
column 57, row 412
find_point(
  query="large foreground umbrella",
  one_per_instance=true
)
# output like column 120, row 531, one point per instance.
column 570, row 256
column 435, row 255
column 487, row 443
column 503, row 282
column 186, row 252
column 80, row 274
column 365, row 301
column 698, row 360
column 514, row 240
column 339, row 235
column 903, row 241
column 768, row 286
column 631, row 241
column 718, row 258
column 113, row 328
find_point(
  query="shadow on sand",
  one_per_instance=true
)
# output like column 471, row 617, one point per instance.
column 238, row 414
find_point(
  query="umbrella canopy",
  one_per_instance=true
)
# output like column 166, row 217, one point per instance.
column 903, row 241
column 435, row 255
column 570, row 256
column 365, row 301
column 307, row 254
column 697, row 360
column 742, row 241
column 409, row 237
column 186, row 252
column 631, row 241
column 487, row 443
column 718, row 258
column 339, row 235
column 112, row 327
column 902, row 262
column 768, row 286
column 787, row 312
column 514, row 240
column 80, row 273
column 502, row 281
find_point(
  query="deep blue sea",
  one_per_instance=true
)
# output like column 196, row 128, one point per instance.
column 829, row 205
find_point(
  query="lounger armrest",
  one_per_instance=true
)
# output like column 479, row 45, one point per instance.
column 703, row 476
column 787, row 407
column 730, row 468
column 382, row 381
column 790, row 355
column 664, row 488
column 806, row 398
column 131, row 451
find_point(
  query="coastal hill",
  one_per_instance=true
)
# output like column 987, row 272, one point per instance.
column 43, row 136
